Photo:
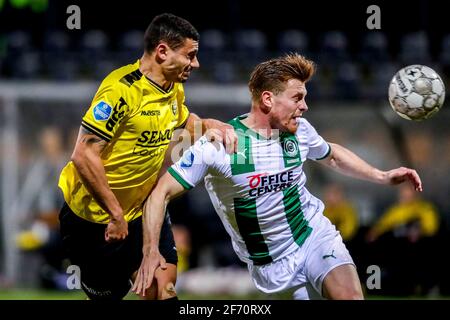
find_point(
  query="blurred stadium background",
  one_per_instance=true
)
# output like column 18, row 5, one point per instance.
column 48, row 75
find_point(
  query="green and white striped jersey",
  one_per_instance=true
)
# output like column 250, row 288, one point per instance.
column 258, row 192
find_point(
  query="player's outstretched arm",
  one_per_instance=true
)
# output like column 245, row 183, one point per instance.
column 87, row 160
column 346, row 162
column 214, row 130
column 154, row 211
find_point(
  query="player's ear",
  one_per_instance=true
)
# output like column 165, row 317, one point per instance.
column 266, row 101
column 161, row 51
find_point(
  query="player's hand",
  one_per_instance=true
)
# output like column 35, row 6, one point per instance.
column 150, row 262
column 402, row 174
column 117, row 229
column 221, row 132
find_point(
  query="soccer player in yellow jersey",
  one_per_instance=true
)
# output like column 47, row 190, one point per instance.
column 119, row 152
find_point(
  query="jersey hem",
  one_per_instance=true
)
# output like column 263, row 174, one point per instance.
column 103, row 222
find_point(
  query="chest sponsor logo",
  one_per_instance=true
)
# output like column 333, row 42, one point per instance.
column 152, row 143
column 117, row 116
column 151, row 138
column 263, row 183
column 150, row 113
column 102, row 111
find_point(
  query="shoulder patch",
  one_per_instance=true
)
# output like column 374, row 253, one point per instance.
column 188, row 159
column 102, row 111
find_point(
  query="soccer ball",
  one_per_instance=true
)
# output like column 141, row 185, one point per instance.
column 416, row 92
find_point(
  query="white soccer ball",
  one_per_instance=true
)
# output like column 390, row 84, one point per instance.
column 416, row 92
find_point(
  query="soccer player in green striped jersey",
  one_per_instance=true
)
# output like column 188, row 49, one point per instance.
column 276, row 226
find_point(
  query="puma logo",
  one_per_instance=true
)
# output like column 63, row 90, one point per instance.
column 329, row 255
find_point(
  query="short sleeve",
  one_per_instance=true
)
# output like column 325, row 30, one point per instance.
column 196, row 162
column 108, row 108
column 184, row 111
column 318, row 148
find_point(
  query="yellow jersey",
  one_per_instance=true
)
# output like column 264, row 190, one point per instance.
column 137, row 117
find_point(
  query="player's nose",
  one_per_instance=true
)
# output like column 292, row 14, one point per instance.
column 303, row 107
column 195, row 63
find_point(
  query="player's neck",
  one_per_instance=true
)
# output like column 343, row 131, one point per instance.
column 258, row 122
column 152, row 71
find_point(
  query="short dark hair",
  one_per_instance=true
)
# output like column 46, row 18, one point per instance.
column 171, row 29
column 273, row 74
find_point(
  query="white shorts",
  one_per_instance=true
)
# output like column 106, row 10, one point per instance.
column 304, row 270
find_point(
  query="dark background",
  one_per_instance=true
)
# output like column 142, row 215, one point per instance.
column 397, row 17
column 350, row 85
